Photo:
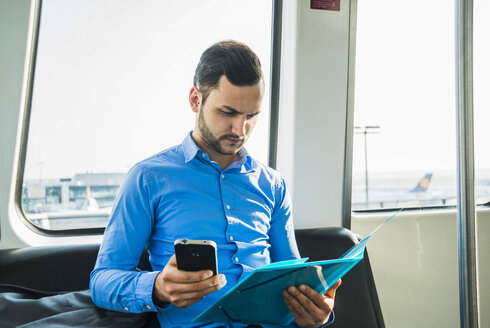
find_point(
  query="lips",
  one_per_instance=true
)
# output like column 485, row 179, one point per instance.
column 233, row 140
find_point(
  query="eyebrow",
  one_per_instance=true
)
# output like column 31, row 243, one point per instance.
column 237, row 111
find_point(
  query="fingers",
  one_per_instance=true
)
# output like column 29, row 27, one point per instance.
column 309, row 307
column 172, row 261
column 191, row 286
column 172, row 273
column 183, row 298
column 184, row 288
column 310, row 297
column 179, row 276
column 332, row 290
column 297, row 309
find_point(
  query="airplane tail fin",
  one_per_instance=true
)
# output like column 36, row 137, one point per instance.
column 423, row 184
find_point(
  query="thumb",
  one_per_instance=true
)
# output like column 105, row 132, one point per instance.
column 332, row 290
column 172, row 262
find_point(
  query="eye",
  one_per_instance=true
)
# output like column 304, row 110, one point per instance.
column 252, row 115
column 227, row 113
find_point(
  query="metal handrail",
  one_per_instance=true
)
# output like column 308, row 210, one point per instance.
column 275, row 80
column 468, row 268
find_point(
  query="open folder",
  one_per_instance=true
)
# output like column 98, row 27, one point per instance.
column 258, row 298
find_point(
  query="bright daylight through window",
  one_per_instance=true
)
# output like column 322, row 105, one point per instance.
column 111, row 88
column 405, row 129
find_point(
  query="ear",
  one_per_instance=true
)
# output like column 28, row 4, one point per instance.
column 195, row 98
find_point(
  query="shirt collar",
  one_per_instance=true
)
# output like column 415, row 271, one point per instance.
column 245, row 162
column 190, row 147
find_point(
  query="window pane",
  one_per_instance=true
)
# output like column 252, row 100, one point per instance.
column 111, row 87
column 405, row 141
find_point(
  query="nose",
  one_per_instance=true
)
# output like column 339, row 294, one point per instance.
column 240, row 126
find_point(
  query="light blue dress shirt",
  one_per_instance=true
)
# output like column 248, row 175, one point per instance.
column 180, row 193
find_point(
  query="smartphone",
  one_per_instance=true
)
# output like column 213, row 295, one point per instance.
column 196, row 255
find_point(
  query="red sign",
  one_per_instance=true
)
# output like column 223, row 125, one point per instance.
column 325, row 4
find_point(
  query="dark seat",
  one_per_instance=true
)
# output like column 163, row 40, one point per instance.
column 67, row 268
column 356, row 301
column 52, row 268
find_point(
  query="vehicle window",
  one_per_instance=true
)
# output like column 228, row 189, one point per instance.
column 405, row 128
column 111, row 88
column 405, row 135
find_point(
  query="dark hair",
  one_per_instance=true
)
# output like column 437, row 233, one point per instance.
column 233, row 59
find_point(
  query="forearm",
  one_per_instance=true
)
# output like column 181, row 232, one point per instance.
column 121, row 290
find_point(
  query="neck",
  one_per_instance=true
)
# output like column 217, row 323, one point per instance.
column 223, row 160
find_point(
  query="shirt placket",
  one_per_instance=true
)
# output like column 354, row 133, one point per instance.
column 227, row 199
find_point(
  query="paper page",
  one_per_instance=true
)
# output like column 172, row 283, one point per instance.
column 285, row 263
column 358, row 249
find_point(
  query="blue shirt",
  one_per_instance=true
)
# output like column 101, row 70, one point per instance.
column 179, row 193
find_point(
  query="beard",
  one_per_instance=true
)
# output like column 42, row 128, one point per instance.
column 215, row 142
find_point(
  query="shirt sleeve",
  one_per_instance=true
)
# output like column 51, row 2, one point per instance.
column 281, row 234
column 330, row 319
column 115, row 283
column 295, row 325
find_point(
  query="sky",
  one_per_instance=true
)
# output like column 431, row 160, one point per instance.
column 405, row 83
column 113, row 76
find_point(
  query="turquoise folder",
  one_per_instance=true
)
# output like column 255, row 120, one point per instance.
column 258, row 298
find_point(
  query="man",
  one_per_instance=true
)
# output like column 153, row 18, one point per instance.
column 209, row 188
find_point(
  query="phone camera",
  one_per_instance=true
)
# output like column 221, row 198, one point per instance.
column 195, row 252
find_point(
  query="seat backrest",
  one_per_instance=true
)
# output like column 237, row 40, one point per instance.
column 67, row 268
column 52, row 268
column 356, row 301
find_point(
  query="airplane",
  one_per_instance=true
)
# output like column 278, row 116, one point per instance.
column 423, row 184
column 385, row 196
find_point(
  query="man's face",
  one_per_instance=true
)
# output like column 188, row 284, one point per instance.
column 228, row 116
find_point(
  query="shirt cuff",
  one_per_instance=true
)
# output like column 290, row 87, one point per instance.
column 144, row 291
column 330, row 320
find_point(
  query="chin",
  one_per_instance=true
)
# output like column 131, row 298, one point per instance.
column 230, row 150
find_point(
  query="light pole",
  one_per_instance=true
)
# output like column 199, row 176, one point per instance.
column 367, row 129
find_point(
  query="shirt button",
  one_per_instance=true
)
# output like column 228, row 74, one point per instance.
column 228, row 206
column 203, row 155
column 231, row 238
column 236, row 259
column 148, row 307
column 223, row 176
column 126, row 308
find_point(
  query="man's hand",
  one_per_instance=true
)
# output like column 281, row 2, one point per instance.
column 184, row 288
column 310, row 308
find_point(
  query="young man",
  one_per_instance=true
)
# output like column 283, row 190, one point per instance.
column 207, row 188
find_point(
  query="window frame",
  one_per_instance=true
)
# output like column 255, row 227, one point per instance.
column 275, row 60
